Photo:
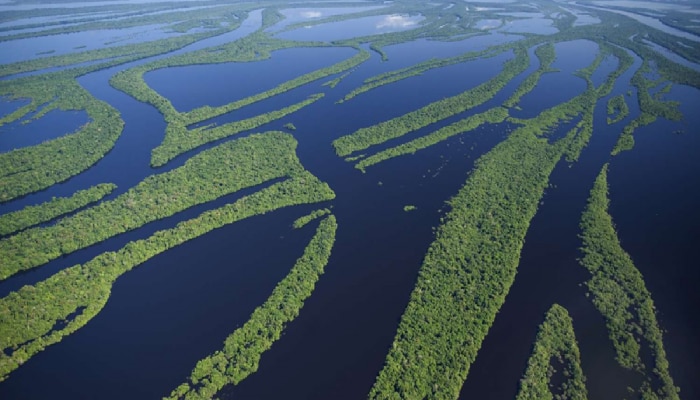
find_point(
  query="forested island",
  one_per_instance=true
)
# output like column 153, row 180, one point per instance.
column 349, row 199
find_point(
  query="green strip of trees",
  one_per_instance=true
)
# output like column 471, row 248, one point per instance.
column 555, row 341
column 546, row 56
column 34, row 168
column 207, row 112
column 433, row 112
column 258, row 45
column 302, row 221
column 492, row 116
column 651, row 107
column 416, row 70
column 216, row 172
column 177, row 141
column 54, row 208
column 617, row 109
column 37, row 316
column 469, row 268
column 241, row 352
column 619, row 293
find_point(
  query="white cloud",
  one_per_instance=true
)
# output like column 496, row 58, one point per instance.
column 396, row 21
column 311, row 14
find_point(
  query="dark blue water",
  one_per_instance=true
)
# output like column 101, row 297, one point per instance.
column 53, row 125
column 47, row 46
column 179, row 307
column 129, row 160
column 654, row 194
column 549, row 273
column 378, row 266
column 607, row 66
column 8, row 106
column 561, row 86
column 220, row 84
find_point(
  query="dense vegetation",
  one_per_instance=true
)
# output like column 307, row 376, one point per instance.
column 619, row 293
column 242, row 350
column 40, row 315
column 177, row 141
column 469, row 268
column 617, row 109
column 434, row 112
column 178, row 138
column 33, row 215
column 651, row 108
column 224, row 169
column 34, row 168
column 302, row 221
column 555, row 342
column 492, row 116
column 415, row 70
column 546, row 55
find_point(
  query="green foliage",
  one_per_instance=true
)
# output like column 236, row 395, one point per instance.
column 177, row 141
column 242, row 350
column 651, row 108
column 415, row 70
column 34, row 168
column 33, row 215
column 195, row 18
column 617, row 109
column 621, row 296
column 206, row 112
column 409, row 207
column 302, row 221
column 335, row 81
column 469, row 268
column 492, row 116
column 178, row 138
column 555, row 341
column 28, row 316
column 546, row 55
column 290, row 126
column 439, row 110
column 216, row 172
column 110, row 56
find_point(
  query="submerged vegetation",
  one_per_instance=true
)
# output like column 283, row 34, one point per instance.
column 555, row 342
column 619, row 293
column 617, row 109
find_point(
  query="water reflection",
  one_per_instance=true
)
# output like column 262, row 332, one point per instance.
column 353, row 28
column 652, row 22
column 397, row 21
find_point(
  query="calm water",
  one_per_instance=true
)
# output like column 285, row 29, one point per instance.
column 54, row 45
column 652, row 22
column 549, row 273
column 654, row 194
column 202, row 85
column 358, row 27
column 561, row 85
column 54, row 124
column 178, row 307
